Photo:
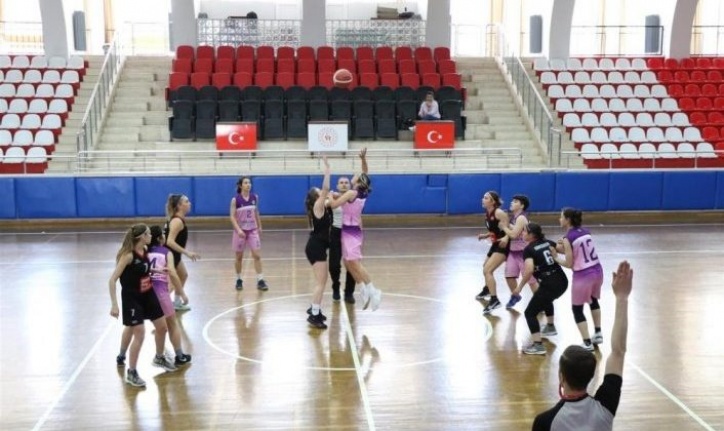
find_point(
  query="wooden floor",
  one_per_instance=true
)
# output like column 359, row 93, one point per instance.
column 426, row 360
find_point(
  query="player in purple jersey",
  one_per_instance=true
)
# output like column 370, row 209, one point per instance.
column 138, row 302
column 352, row 203
column 514, row 264
column 177, row 234
column 162, row 261
column 495, row 217
column 580, row 255
column 320, row 220
column 244, row 216
column 577, row 410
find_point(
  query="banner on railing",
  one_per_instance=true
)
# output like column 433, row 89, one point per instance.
column 236, row 136
column 434, row 135
column 325, row 136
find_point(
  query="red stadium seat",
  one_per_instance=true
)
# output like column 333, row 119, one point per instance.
column 185, row 51
column 245, row 51
column 286, row 65
column 431, row 80
column 411, row 80
column 345, row 53
column 265, row 65
column 423, row 53
column 204, row 64
column 391, row 80
column 403, row 53
column 243, row 79
column 200, row 79
column 224, row 65
column 703, row 63
column 370, row 80
column 306, row 79
column 452, row 80
column 426, row 66
column 671, row 64
column 305, row 53
column 406, row 66
column 285, row 52
column 205, row 52
column 325, row 52
column 184, row 65
column 263, row 79
column 441, row 53
column 386, row 66
column 366, row 66
column 383, row 53
column 306, row 65
column 326, row 65
column 285, row 80
column 347, row 63
column 245, row 65
column 265, row 51
column 365, row 53
column 325, row 79
column 221, row 80
column 446, row 66
column 225, row 51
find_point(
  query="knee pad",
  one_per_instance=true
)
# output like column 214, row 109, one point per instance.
column 578, row 315
column 594, row 304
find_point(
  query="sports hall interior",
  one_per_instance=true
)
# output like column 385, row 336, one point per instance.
column 615, row 107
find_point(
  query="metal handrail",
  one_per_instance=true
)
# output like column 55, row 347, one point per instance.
column 100, row 96
column 537, row 109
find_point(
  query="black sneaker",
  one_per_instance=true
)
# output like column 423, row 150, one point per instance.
column 335, row 294
column 239, row 284
column 349, row 298
column 121, row 361
column 133, row 379
column 483, row 293
column 261, row 285
column 182, row 359
column 317, row 321
column 309, row 312
column 492, row 305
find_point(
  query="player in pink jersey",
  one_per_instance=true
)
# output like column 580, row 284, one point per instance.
column 244, row 215
column 580, row 255
column 352, row 203
column 162, row 261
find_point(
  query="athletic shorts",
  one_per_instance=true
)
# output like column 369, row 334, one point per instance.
column 316, row 250
column 137, row 307
column 586, row 285
column 352, row 240
column 496, row 248
column 164, row 297
column 515, row 267
column 251, row 241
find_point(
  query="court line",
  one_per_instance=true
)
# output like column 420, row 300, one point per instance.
column 470, row 255
column 73, row 378
column 358, row 369
column 228, row 232
column 672, row 397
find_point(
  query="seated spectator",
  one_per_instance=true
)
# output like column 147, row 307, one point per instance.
column 429, row 109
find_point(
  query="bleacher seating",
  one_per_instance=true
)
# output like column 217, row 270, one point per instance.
column 635, row 113
column 36, row 95
column 260, row 72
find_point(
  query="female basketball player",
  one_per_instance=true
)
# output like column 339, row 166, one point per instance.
column 514, row 264
column 495, row 217
column 320, row 220
column 352, row 203
column 138, row 300
column 244, row 215
column 177, row 235
column 162, row 262
column 540, row 262
column 580, row 255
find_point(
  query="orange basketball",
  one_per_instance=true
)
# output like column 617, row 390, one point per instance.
column 342, row 78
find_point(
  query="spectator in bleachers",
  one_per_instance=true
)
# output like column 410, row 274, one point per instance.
column 429, row 109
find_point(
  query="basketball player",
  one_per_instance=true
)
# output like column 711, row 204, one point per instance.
column 244, row 215
column 177, row 235
column 577, row 410
column 320, row 220
column 352, row 203
column 514, row 264
column 162, row 263
column 540, row 262
column 495, row 217
column 138, row 300
column 335, row 247
column 580, row 255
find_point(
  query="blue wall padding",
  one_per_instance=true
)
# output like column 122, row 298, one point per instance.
column 588, row 192
column 689, row 190
column 212, row 195
column 539, row 187
column 46, row 197
column 152, row 194
column 7, row 198
column 105, row 197
column 465, row 192
column 635, row 191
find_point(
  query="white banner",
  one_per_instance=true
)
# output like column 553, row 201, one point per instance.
column 327, row 136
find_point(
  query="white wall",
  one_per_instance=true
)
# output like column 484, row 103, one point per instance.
column 21, row 11
column 277, row 9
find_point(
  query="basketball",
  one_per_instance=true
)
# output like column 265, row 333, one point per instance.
column 342, row 78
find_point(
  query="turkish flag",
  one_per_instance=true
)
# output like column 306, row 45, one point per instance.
column 434, row 135
column 236, row 136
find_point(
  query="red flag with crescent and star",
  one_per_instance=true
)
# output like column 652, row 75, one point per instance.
column 236, row 136
column 434, row 135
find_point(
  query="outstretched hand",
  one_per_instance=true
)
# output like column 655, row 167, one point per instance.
column 363, row 153
column 622, row 280
column 326, row 164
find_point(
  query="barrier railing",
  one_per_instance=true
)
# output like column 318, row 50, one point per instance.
column 616, row 40
column 467, row 40
column 533, row 102
column 657, row 159
column 378, row 32
column 100, row 98
column 288, row 161
column 244, row 31
column 146, row 38
column 707, row 40
column 21, row 37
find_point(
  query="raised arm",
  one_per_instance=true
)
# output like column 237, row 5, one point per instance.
column 320, row 202
column 622, row 285
column 363, row 156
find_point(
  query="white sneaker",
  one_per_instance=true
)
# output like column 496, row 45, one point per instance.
column 597, row 338
column 376, row 299
column 365, row 297
column 588, row 347
column 178, row 305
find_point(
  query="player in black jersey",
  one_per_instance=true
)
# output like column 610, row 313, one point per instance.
column 320, row 220
column 540, row 262
column 577, row 410
column 177, row 234
column 138, row 300
column 495, row 217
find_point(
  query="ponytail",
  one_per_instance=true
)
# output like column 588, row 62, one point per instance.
column 129, row 240
column 574, row 216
